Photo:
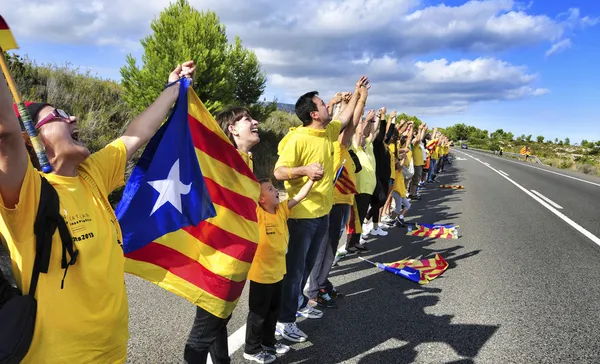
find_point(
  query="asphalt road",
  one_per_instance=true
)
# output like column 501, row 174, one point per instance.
column 522, row 285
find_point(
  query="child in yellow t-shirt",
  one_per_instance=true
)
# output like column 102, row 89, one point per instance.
column 267, row 271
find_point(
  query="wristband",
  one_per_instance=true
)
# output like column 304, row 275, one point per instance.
column 171, row 84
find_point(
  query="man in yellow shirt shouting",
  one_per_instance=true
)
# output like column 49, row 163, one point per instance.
column 306, row 153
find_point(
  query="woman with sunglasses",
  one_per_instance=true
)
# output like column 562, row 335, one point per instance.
column 82, row 316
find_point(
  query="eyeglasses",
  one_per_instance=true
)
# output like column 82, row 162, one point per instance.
column 55, row 115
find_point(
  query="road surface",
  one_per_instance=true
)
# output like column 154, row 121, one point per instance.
column 523, row 285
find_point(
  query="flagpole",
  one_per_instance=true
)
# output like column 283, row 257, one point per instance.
column 25, row 117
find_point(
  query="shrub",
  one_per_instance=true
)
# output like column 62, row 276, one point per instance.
column 587, row 169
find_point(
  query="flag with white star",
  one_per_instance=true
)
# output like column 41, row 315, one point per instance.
column 188, row 213
column 166, row 190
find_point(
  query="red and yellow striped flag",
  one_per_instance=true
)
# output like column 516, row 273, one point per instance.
column 434, row 231
column 344, row 183
column 7, row 41
column 454, row 187
column 354, row 225
column 429, row 268
column 208, row 263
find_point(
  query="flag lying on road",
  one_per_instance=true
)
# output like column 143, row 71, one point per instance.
column 455, row 187
column 428, row 268
column 184, row 227
column 406, row 272
column 7, row 41
column 434, row 231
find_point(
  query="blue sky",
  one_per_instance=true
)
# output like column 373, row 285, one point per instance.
column 526, row 67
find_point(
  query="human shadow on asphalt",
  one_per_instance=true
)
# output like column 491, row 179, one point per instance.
column 384, row 318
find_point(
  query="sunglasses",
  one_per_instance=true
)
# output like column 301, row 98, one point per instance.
column 55, row 115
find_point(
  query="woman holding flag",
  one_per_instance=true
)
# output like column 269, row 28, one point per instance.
column 82, row 316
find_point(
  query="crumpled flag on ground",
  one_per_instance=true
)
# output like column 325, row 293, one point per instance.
column 429, row 268
column 434, row 231
column 454, row 187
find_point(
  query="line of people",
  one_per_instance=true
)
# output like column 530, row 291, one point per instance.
column 341, row 171
column 339, row 168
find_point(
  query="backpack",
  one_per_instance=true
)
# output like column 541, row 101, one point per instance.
column 18, row 311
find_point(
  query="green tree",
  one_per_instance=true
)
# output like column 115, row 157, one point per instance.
column 540, row 139
column 567, row 141
column 224, row 73
column 509, row 136
column 246, row 74
column 528, row 138
column 556, row 140
column 498, row 134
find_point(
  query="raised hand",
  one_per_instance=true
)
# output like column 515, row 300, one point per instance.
column 370, row 115
column 346, row 96
column 182, row 70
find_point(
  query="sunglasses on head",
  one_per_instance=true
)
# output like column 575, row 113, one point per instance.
column 55, row 115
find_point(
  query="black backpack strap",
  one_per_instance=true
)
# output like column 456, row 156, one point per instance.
column 48, row 219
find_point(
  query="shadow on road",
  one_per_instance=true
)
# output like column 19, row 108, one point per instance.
column 384, row 318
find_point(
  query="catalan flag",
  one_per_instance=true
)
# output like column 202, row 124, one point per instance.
column 344, row 183
column 454, row 187
column 429, row 268
column 354, row 225
column 432, row 144
column 434, row 231
column 188, row 212
column 7, row 41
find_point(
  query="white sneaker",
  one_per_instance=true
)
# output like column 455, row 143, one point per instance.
column 367, row 227
column 291, row 332
column 387, row 218
column 279, row 348
column 379, row 232
column 383, row 226
column 363, row 241
column 310, row 312
column 264, row 357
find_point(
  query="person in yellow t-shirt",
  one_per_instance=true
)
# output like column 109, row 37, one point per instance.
column 267, row 271
column 82, row 312
column 321, row 291
column 306, row 153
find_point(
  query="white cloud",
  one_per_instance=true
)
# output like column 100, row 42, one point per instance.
column 559, row 47
column 326, row 44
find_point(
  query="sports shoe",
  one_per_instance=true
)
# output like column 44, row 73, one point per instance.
column 335, row 294
column 291, row 332
column 310, row 312
column 279, row 348
column 360, row 247
column 400, row 222
column 383, row 226
column 324, row 300
column 263, row 357
column 387, row 218
column 379, row 232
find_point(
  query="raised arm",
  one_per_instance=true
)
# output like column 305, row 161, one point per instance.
column 375, row 127
column 346, row 136
column 145, row 125
column 301, row 194
column 13, row 155
column 346, row 115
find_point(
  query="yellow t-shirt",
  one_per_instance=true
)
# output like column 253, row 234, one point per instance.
column 303, row 146
column 392, row 149
column 365, row 179
column 399, row 185
column 435, row 152
column 268, row 265
column 408, row 158
column 87, row 321
column 418, row 155
column 341, row 153
column 247, row 158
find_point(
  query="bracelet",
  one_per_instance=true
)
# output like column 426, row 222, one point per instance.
column 171, row 84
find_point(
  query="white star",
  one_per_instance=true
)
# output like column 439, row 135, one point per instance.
column 170, row 189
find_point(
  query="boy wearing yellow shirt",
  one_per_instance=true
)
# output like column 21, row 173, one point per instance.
column 267, row 271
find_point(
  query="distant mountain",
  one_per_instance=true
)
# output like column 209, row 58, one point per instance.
column 285, row 107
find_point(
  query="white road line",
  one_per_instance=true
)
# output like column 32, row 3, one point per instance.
column 547, row 199
column 234, row 341
column 504, row 173
column 573, row 224
column 549, row 171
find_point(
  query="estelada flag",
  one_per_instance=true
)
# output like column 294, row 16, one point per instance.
column 429, row 268
column 7, row 41
column 434, row 231
column 343, row 182
column 188, row 212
